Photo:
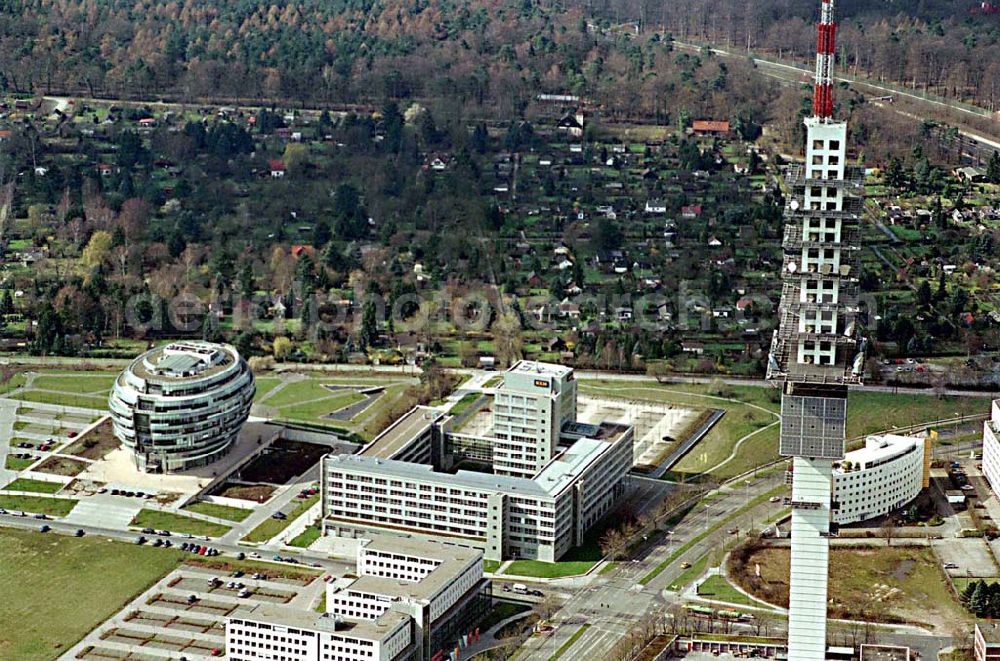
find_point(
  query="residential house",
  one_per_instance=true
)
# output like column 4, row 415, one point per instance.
column 696, row 348
column 571, row 123
column 656, row 206
column 277, row 168
column 691, row 212
column 971, row 174
column 708, row 127
column 568, row 308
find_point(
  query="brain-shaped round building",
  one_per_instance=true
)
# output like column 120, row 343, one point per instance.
column 181, row 405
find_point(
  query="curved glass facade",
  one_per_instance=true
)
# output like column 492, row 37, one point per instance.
column 181, row 405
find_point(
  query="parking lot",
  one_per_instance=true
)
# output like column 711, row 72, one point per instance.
column 184, row 614
column 971, row 556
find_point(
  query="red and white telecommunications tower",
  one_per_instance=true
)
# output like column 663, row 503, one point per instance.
column 826, row 36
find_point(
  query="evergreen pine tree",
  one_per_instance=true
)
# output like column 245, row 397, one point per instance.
column 979, row 601
column 966, row 595
column 993, row 169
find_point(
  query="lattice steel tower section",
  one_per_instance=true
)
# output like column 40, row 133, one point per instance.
column 815, row 353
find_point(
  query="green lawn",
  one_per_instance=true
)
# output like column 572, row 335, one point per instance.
column 272, row 527
column 869, row 412
column 63, row 399
column 37, row 486
column 307, row 537
column 265, row 384
column 570, row 642
column 578, row 560
column 219, row 511
column 41, row 571
column 718, row 588
column 177, row 523
column 15, row 464
column 313, row 411
column 490, row 566
column 96, row 384
column 15, row 381
column 299, row 391
column 501, row 611
column 37, row 504
column 464, row 403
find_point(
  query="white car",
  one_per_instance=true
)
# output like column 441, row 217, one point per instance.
column 773, row 499
column 254, row 554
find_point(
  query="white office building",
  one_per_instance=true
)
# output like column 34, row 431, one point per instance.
column 181, row 405
column 408, row 599
column 885, row 475
column 268, row 632
column 530, row 408
column 440, row 586
column 991, row 448
column 538, row 518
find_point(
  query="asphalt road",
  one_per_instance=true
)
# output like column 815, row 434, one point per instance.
column 613, row 603
column 57, row 527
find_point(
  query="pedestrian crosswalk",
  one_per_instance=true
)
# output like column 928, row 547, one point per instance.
column 105, row 511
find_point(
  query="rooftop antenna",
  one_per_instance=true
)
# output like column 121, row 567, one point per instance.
column 826, row 35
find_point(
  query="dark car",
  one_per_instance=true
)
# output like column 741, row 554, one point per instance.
column 79, row 532
column 148, row 531
column 140, row 540
column 44, row 528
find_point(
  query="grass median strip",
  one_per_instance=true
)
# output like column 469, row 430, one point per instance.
column 307, row 537
column 274, row 527
column 218, row 511
column 569, row 643
column 37, row 504
column 177, row 523
column 36, row 486
column 645, row 580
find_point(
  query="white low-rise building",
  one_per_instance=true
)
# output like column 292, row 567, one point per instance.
column 883, row 476
column 408, row 599
column 272, row 632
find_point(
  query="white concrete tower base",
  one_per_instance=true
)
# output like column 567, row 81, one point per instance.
column 811, row 489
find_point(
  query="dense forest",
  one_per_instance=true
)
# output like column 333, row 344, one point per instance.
column 493, row 56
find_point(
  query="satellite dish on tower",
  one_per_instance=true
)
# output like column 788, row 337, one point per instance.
column 794, row 205
column 791, row 267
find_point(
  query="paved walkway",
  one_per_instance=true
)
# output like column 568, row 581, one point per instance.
column 8, row 410
column 105, row 511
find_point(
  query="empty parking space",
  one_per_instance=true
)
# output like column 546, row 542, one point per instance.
column 184, row 614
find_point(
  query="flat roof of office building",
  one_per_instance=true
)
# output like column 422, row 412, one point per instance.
column 310, row 620
column 404, row 470
column 568, row 464
column 534, row 367
column 879, row 447
column 559, row 473
column 401, row 432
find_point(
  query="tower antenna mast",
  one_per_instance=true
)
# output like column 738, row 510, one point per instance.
column 826, row 37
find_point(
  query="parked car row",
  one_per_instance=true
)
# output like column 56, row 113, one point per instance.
column 199, row 549
column 130, row 494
